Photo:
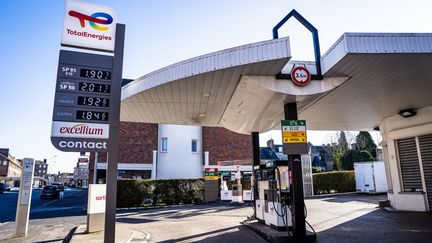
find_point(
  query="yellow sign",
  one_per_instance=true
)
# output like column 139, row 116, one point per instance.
column 294, row 134
column 211, row 178
column 294, row 140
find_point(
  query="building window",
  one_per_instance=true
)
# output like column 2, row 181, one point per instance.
column 40, row 171
column 194, row 145
column 164, row 144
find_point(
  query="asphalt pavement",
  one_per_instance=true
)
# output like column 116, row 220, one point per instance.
column 67, row 206
column 50, row 220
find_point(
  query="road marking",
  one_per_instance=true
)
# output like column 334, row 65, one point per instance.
column 5, row 222
column 139, row 236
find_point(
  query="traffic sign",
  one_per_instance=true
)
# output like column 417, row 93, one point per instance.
column 300, row 75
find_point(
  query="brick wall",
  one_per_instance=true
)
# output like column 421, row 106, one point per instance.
column 136, row 144
column 224, row 145
column 138, row 140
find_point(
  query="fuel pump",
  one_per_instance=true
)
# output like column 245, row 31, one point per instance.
column 273, row 194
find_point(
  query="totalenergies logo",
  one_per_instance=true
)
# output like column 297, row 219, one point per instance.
column 93, row 19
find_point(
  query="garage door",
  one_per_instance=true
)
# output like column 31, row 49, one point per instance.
column 425, row 143
column 409, row 165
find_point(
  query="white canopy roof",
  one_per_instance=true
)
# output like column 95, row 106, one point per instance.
column 366, row 78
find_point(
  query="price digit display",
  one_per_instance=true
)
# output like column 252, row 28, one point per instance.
column 93, row 101
column 92, row 87
column 95, row 74
column 92, row 115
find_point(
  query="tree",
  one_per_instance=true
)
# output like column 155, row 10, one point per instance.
column 365, row 142
column 343, row 144
column 347, row 160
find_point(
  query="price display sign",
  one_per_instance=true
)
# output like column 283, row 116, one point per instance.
column 82, row 102
column 294, row 139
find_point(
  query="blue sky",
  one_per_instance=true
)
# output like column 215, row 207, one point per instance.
column 159, row 33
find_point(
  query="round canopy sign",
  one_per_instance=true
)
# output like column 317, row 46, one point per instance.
column 300, row 75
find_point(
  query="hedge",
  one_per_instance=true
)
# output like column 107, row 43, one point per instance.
column 334, row 182
column 139, row 193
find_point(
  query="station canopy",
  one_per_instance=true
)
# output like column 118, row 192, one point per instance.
column 367, row 77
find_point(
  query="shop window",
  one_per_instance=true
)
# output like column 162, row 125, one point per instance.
column 409, row 165
column 164, row 144
column 194, row 146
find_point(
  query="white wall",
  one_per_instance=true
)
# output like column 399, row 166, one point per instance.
column 179, row 161
column 394, row 128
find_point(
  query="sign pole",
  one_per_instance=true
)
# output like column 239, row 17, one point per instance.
column 24, row 198
column 111, row 175
column 294, row 162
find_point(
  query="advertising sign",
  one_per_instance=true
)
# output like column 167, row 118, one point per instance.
column 96, row 198
column 89, row 26
column 27, row 181
column 79, row 130
column 82, row 102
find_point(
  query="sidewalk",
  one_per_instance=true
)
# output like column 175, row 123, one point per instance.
column 124, row 233
column 40, row 230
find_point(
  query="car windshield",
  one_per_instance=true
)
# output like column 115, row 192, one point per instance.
column 50, row 188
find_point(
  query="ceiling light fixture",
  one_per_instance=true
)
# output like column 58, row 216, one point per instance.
column 407, row 113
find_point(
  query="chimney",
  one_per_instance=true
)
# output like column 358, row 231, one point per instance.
column 270, row 143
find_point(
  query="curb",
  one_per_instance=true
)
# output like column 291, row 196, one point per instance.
column 247, row 204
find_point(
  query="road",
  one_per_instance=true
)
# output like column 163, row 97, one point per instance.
column 74, row 203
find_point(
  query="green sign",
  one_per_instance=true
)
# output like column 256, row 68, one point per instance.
column 293, row 123
column 211, row 174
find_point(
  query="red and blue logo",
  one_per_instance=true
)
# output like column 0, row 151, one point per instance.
column 95, row 19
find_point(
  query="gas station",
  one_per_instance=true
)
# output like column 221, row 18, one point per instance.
column 365, row 81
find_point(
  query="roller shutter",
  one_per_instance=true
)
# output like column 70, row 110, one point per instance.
column 409, row 164
column 426, row 156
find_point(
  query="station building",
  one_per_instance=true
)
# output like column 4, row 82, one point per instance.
column 162, row 151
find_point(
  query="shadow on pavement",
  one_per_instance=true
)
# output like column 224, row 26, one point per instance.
column 179, row 212
column 382, row 226
column 355, row 197
column 134, row 220
column 230, row 234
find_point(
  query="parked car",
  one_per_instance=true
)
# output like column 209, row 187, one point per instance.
column 4, row 186
column 52, row 192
